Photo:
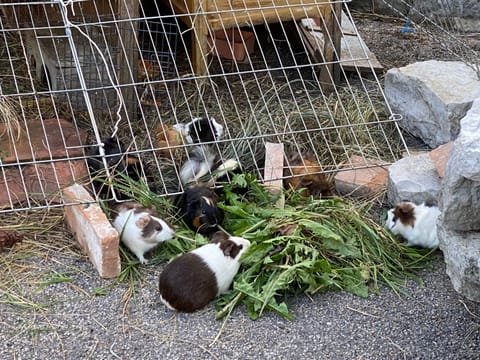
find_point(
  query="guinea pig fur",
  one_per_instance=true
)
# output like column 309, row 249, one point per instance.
column 118, row 161
column 200, row 129
column 192, row 280
column 200, row 163
column 305, row 173
column 140, row 228
column 166, row 137
column 417, row 224
column 199, row 210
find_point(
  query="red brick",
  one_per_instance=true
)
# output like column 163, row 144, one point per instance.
column 41, row 140
column 40, row 183
column 51, row 139
column 439, row 157
column 362, row 181
column 91, row 228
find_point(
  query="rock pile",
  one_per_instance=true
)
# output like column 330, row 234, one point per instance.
column 440, row 102
column 459, row 223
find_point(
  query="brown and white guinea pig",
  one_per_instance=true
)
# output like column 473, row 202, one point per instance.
column 304, row 172
column 199, row 130
column 417, row 224
column 140, row 228
column 192, row 280
column 118, row 161
column 199, row 209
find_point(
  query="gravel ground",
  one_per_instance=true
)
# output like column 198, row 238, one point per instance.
column 435, row 323
column 83, row 316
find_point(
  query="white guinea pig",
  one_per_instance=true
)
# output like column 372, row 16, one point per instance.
column 417, row 224
column 194, row 279
column 140, row 228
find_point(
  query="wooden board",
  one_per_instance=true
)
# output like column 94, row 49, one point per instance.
column 355, row 54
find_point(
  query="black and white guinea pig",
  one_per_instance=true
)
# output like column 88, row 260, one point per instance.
column 203, row 161
column 115, row 155
column 194, row 279
column 199, row 163
column 199, row 209
column 417, row 224
column 200, row 129
column 140, row 228
column 117, row 159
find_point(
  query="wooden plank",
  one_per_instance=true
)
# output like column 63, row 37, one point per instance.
column 128, row 54
column 326, row 70
column 209, row 15
column 355, row 54
column 199, row 39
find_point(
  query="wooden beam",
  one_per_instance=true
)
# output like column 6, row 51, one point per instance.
column 128, row 54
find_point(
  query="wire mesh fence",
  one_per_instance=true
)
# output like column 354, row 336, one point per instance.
column 131, row 83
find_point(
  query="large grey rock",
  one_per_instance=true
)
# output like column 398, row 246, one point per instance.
column 461, row 251
column 413, row 178
column 459, row 222
column 460, row 200
column 432, row 96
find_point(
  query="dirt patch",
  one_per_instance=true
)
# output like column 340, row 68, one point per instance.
column 394, row 48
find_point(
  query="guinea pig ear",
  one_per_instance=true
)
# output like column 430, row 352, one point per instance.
column 230, row 249
column 218, row 237
column 143, row 221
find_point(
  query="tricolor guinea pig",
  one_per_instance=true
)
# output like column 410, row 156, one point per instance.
column 417, row 224
column 194, row 279
column 199, row 209
column 140, row 228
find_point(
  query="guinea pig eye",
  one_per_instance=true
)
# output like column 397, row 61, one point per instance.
column 203, row 212
column 158, row 228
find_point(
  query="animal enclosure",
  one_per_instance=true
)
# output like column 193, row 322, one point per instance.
column 76, row 73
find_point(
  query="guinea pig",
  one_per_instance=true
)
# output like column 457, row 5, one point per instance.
column 140, row 228
column 199, row 210
column 417, row 224
column 200, row 129
column 167, row 138
column 192, row 280
column 200, row 162
column 118, row 161
column 304, row 172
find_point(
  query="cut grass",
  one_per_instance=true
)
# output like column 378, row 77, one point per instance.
column 309, row 246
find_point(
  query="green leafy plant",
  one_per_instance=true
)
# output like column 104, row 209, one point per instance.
column 308, row 246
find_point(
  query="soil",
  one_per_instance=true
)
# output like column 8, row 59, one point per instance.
column 394, row 48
